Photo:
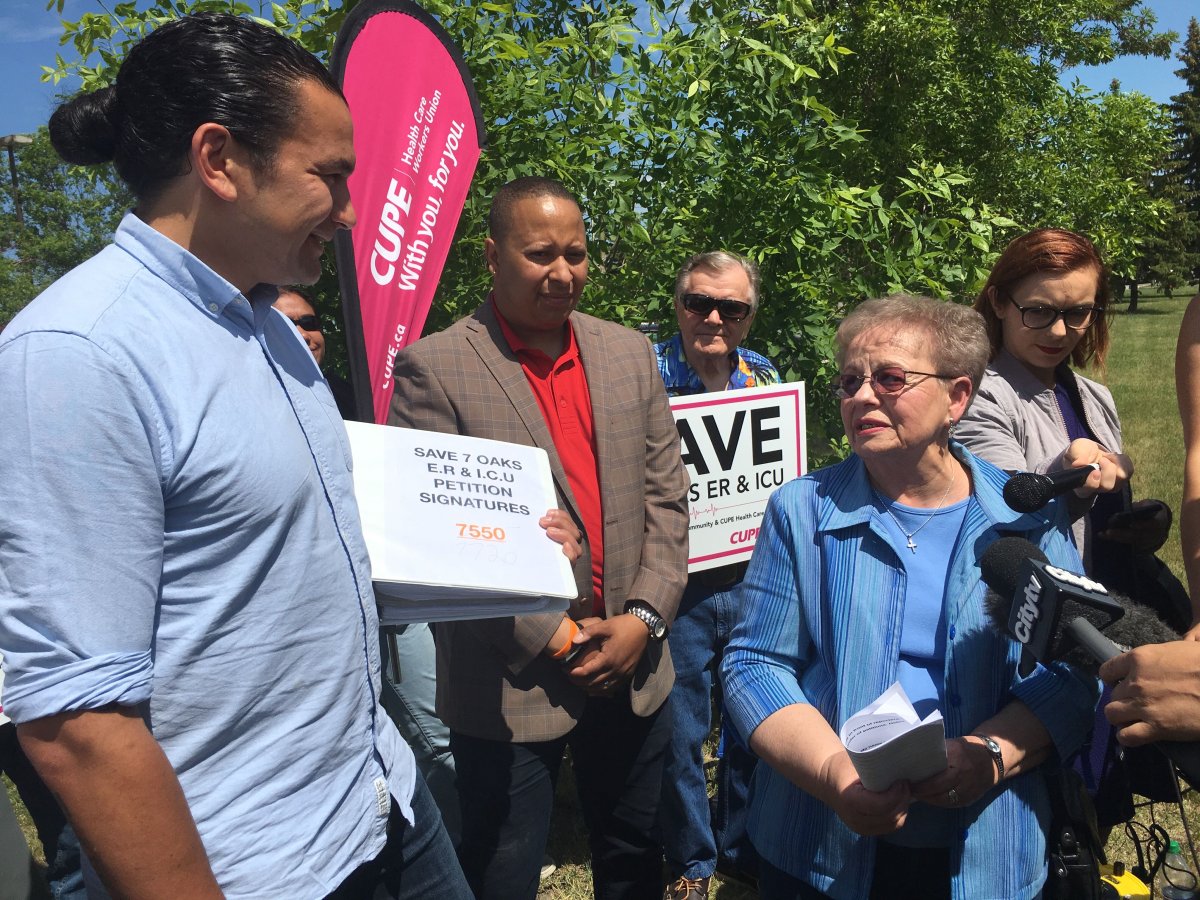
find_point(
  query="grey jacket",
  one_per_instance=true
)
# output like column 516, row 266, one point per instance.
column 1014, row 423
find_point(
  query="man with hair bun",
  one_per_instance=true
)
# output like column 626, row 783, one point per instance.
column 189, row 632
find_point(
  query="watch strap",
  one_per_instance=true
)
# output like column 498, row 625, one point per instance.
column 994, row 749
column 653, row 621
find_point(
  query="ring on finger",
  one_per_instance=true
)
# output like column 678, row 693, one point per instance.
column 952, row 796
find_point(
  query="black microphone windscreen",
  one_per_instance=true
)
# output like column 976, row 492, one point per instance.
column 1001, row 565
column 1028, row 492
column 996, row 607
column 1036, row 603
column 1139, row 626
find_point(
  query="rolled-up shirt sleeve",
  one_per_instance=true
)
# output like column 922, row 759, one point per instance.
column 770, row 643
column 1063, row 699
column 81, row 527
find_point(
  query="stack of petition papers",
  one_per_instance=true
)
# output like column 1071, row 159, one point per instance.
column 451, row 525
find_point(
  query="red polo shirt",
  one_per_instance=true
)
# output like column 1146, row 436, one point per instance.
column 561, row 390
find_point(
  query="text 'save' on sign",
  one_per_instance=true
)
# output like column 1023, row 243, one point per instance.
column 738, row 446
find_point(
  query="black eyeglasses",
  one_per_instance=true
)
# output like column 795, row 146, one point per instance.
column 888, row 380
column 1077, row 318
column 728, row 310
column 308, row 323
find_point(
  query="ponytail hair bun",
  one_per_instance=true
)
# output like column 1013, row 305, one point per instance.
column 83, row 130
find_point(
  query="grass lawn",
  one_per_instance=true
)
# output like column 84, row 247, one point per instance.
column 1140, row 374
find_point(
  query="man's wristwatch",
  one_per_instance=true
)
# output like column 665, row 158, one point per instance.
column 997, row 757
column 656, row 623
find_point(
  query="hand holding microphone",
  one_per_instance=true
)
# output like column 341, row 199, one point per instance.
column 1057, row 615
column 1157, row 693
column 1088, row 468
column 1114, row 469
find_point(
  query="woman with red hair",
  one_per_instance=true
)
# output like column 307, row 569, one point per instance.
column 1046, row 305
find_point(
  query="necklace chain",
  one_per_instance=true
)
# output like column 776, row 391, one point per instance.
column 912, row 545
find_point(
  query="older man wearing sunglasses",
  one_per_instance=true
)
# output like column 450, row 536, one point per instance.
column 716, row 297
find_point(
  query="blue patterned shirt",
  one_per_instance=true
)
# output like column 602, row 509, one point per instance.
column 820, row 623
column 750, row 370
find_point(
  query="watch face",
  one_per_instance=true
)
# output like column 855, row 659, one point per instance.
column 659, row 631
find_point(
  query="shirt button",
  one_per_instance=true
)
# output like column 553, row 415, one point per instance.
column 952, row 632
column 212, row 307
column 562, row 403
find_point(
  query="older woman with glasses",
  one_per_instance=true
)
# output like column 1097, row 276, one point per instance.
column 1046, row 305
column 867, row 573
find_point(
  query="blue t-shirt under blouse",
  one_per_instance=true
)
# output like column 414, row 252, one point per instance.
column 923, row 631
column 179, row 534
column 921, row 668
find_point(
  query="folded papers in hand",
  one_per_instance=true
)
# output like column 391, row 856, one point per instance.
column 888, row 742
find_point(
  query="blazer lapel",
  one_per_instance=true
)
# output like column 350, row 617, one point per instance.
column 592, row 351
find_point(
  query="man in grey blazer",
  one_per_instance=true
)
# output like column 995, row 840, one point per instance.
column 527, row 368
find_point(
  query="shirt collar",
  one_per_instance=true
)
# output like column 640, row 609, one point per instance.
column 854, row 505
column 683, row 376
column 184, row 272
column 518, row 346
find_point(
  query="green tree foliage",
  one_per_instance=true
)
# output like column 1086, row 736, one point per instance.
column 69, row 214
column 848, row 145
column 1106, row 149
column 1176, row 259
column 1185, row 111
column 977, row 87
column 681, row 127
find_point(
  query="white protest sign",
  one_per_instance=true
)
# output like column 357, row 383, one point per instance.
column 738, row 446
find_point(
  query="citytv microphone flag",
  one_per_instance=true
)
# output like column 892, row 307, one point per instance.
column 418, row 132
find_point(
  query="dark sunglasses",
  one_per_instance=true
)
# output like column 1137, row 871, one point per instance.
column 308, row 323
column 888, row 380
column 1077, row 318
column 728, row 310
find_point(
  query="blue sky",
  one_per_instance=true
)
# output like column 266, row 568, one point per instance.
column 29, row 39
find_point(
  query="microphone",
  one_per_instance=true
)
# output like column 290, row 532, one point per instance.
column 1039, row 604
column 1028, row 492
column 1058, row 615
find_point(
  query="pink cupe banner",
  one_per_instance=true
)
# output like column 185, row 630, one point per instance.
column 417, row 136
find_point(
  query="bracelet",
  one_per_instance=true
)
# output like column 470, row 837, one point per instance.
column 565, row 649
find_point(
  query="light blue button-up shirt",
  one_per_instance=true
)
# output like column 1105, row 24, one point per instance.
column 820, row 621
column 178, row 532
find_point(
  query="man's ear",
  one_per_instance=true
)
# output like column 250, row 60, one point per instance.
column 218, row 161
column 490, row 253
